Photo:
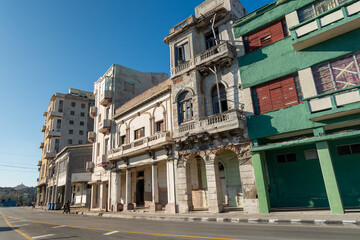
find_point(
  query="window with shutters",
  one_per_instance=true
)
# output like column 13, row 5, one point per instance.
column 139, row 133
column 185, row 110
column 210, row 39
column 222, row 99
column 277, row 94
column 122, row 140
column 182, row 53
column 160, row 126
column 266, row 36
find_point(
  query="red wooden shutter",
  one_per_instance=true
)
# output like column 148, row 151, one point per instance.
column 277, row 32
column 254, row 42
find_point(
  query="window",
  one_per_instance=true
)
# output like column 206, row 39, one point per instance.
column 72, row 113
column 58, row 125
column 71, row 131
column 70, row 141
column 61, row 104
column 57, row 145
column 210, row 40
column 272, row 33
column 275, row 95
column 160, row 126
column 139, row 133
column 182, row 53
column 318, row 8
column 82, row 114
column 83, row 105
column 81, row 132
column 215, row 99
column 71, row 122
column 99, row 118
column 348, row 149
column 81, row 123
column 337, row 74
column 98, row 149
column 286, row 158
column 80, row 142
column 73, row 104
column 185, row 107
column 122, row 140
column 106, row 147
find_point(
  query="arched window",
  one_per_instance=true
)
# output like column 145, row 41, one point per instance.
column 223, row 101
column 185, row 107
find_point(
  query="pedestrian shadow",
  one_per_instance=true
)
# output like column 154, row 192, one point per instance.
column 5, row 229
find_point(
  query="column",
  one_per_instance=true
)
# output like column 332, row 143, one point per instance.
column 92, row 196
column 155, row 205
column 170, row 180
column 213, row 184
column 101, row 198
column 128, row 204
column 115, row 190
column 261, row 182
column 328, row 173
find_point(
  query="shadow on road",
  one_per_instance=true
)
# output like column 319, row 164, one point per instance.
column 4, row 229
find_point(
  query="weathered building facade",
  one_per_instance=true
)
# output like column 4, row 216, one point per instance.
column 300, row 64
column 67, row 123
column 68, row 178
column 117, row 86
column 214, row 166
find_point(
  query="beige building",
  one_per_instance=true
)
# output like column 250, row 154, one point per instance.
column 214, row 166
column 67, row 123
column 117, row 86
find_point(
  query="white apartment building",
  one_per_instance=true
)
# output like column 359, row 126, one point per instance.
column 67, row 123
column 117, row 86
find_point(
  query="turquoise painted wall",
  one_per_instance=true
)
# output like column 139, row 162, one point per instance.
column 266, row 15
column 296, row 184
column 347, row 172
column 289, row 119
column 280, row 59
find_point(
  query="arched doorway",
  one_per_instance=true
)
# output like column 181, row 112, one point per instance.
column 229, row 178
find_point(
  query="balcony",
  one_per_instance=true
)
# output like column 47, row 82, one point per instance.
column 222, row 54
column 45, row 114
column 227, row 121
column 91, row 137
column 93, row 112
column 41, row 145
column 43, row 128
column 39, row 163
column 105, row 98
column 157, row 140
column 104, row 161
column 50, row 155
column 105, row 126
column 51, row 134
column 334, row 104
column 186, row 23
column 335, row 22
column 89, row 166
column 53, row 114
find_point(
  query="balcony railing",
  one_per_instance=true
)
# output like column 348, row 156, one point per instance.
column 93, row 112
column 227, row 121
column 91, row 136
column 141, row 144
column 221, row 54
column 190, row 20
column 105, row 126
column 39, row 163
column 337, row 21
column 43, row 128
column 55, row 114
column 334, row 104
column 51, row 134
column 41, row 145
column 106, row 97
column 89, row 166
column 104, row 161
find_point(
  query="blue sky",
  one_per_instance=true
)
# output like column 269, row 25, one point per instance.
column 51, row 46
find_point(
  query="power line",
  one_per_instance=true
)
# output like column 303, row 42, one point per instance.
column 13, row 166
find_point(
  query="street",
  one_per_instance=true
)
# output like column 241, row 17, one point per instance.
column 26, row 223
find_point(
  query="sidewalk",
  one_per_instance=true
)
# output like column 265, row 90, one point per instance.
column 320, row 217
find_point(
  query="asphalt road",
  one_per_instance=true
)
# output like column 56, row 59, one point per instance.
column 26, row 223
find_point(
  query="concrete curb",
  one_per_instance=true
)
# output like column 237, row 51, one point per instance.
column 230, row 220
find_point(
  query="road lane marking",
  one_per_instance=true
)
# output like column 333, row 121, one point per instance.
column 109, row 233
column 16, row 230
column 130, row 232
column 61, row 226
column 20, row 225
column 44, row 236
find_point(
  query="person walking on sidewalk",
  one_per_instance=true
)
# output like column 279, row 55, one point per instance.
column 67, row 207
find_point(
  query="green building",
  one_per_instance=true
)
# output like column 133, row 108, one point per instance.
column 300, row 66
